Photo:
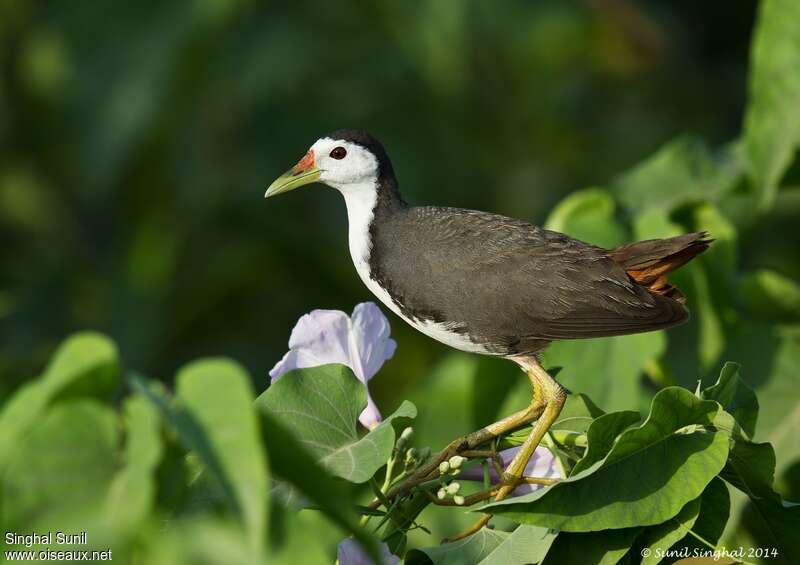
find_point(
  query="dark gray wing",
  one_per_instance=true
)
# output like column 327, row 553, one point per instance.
column 509, row 283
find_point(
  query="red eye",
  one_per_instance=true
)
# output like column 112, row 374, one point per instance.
column 339, row 153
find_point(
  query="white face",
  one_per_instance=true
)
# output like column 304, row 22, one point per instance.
column 344, row 164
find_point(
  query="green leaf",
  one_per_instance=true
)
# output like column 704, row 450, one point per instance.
column 659, row 539
column 772, row 121
column 715, row 508
column 722, row 257
column 215, row 397
column 526, row 544
column 773, row 522
column 606, row 547
column 607, row 369
column 679, row 173
column 601, row 436
column 132, row 493
column 712, row 337
column 578, row 413
column 320, row 406
column 204, row 540
column 780, row 423
column 680, row 459
column 472, row 549
column 588, row 215
column 214, row 416
column 63, row 469
column 735, row 396
column 770, row 296
column 85, row 364
column 295, row 465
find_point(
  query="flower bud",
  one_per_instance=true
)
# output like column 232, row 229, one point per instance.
column 444, row 466
column 424, row 454
column 404, row 438
column 459, row 500
column 456, row 461
column 441, row 494
column 453, row 488
column 411, row 456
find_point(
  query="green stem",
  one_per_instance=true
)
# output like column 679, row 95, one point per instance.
column 389, row 470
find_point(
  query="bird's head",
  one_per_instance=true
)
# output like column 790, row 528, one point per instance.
column 345, row 160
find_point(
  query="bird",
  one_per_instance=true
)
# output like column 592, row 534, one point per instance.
column 489, row 284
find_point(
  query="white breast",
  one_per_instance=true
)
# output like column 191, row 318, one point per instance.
column 360, row 203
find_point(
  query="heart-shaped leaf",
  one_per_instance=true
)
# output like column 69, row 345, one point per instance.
column 320, row 407
column 735, row 396
column 472, row 549
column 680, row 456
column 601, row 435
column 527, row 544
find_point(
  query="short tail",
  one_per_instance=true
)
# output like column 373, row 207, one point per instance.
column 648, row 262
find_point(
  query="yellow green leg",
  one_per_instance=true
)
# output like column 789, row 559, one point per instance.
column 552, row 395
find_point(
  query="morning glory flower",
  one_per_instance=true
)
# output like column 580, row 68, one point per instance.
column 541, row 465
column 360, row 341
column 350, row 552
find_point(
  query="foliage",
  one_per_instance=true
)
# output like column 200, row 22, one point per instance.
column 650, row 483
column 216, row 473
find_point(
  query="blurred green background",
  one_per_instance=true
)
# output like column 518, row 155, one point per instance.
column 136, row 141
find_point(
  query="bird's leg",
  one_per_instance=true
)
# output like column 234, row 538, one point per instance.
column 553, row 395
column 430, row 470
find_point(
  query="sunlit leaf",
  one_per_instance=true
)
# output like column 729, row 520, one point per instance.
column 85, row 364
column 214, row 416
column 772, row 121
column 615, row 492
column 601, row 435
column 320, row 407
column 133, row 490
column 63, row 468
column 293, row 464
column 526, row 544
column 472, row 549
column 679, row 173
column 779, row 419
column 735, row 396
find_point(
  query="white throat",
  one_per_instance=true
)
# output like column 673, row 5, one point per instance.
column 360, row 200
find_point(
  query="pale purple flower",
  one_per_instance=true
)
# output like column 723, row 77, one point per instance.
column 350, row 552
column 541, row 465
column 361, row 342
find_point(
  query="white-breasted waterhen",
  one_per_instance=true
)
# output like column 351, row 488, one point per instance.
column 490, row 284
